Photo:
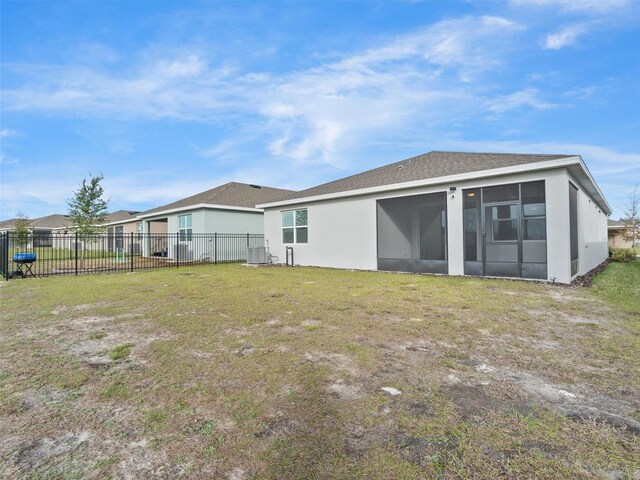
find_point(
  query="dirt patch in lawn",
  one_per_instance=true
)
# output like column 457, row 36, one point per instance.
column 503, row 390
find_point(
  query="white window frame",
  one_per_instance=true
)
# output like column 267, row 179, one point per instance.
column 185, row 233
column 294, row 227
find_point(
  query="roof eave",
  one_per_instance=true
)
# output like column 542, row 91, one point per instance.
column 529, row 167
column 593, row 189
column 120, row 222
column 197, row 207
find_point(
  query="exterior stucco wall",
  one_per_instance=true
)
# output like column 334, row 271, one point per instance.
column 127, row 228
column 212, row 221
column 343, row 232
column 592, row 232
column 228, row 221
column 203, row 220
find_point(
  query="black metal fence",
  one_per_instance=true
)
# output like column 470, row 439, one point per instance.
column 34, row 255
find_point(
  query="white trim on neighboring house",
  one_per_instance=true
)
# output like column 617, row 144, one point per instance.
column 121, row 222
column 529, row 167
column 199, row 206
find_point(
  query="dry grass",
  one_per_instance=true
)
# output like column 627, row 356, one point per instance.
column 230, row 372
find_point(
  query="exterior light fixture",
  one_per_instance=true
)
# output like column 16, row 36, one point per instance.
column 471, row 194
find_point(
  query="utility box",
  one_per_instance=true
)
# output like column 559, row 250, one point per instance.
column 182, row 252
column 256, row 255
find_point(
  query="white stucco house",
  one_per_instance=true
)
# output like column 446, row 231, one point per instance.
column 511, row 215
column 229, row 208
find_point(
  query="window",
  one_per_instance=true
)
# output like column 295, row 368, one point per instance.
column 535, row 229
column 505, row 222
column 184, row 227
column 501, row 193
column 119, row 232
column 42, row 238
column 534, row 211
column 295, row 226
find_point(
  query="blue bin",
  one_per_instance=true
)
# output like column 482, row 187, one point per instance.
column 24, row 257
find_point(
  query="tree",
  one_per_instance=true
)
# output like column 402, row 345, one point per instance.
column 632, row 217
column 88, row 210
column 22, row 229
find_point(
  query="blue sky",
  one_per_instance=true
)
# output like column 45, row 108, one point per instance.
column 167, row 99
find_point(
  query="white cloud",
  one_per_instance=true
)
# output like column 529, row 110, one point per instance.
column 528, row 97
column 456, row 42
column 310, row 115
column 5, row 132
column 180, row 88
column 564, row 38
column 8, row 161
column 421, row 77
column 594, row 7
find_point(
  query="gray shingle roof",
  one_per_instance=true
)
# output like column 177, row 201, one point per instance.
column 47, row 222
column 8, row 224
column 122, row 216
column 231, row 194
column 52, row 221
column 426, row 166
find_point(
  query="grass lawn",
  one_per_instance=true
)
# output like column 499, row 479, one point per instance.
column 241, row 373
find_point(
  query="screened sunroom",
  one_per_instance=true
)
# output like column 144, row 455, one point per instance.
column 505, row 231
column 412, row 233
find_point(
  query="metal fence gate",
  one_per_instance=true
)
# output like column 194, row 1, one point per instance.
column 44, row 254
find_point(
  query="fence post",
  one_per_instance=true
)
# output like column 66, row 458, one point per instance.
column 5, row 259
column 76, row 255
column 131, row 250
column 177, row 250
column 215, row 248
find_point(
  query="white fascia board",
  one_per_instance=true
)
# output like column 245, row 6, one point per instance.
column 606, row 205
column 529, row 167
column 198, row 207
column 121, row 222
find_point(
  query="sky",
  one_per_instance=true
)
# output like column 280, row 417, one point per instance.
column 168, row 99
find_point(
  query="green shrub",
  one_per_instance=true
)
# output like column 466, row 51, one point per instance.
column 624, row 255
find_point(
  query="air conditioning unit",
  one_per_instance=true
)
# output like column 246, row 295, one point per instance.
column 182, row 252
column 256, row 255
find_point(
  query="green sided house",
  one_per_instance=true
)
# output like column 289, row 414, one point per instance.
column 229, row 208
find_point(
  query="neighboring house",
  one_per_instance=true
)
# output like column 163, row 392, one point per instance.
column 229, row 208
column 527, row 216
column 118, row 224
column 41, row 227
column 123, row 223
column 8, row 225
column 616, row 230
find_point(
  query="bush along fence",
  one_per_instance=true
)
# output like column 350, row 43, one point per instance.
column 44, row 254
